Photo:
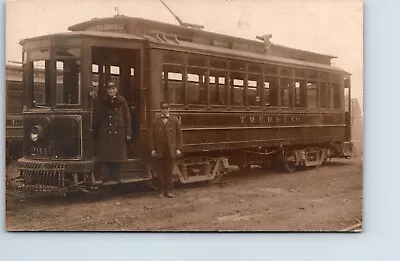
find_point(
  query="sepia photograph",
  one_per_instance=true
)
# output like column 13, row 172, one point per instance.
column 193, row 116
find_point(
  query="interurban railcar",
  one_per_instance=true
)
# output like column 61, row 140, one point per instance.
column 14, row 119
column 240, row 101
column 14, row 124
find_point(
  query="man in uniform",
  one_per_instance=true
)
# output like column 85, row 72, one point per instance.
column 166, row 146
column 112, row 127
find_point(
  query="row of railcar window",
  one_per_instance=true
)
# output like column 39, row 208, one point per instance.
column 221, row 82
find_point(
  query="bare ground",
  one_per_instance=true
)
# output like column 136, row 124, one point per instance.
column 324, row 199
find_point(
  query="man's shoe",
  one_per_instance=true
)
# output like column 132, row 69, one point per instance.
column 169, row 195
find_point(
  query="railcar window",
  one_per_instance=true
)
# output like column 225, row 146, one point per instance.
column 95, row 68
column 324, row 94
column 68, row 66
column 285, row 85
column 173, row 84
column 41, row 83
column 217, row 89
column 173, row 77
column 196, row 80
column 95, row 75
column 254, row 85
column 346, row 99
column 311, row 95
column 271, row 91
column 253, row 96
column 331, row 97
column 237, row 89
column 68, row 82
column 337, row 96
column 300, row 93
column 196, row 87
column 114, row 70
column 267, row 94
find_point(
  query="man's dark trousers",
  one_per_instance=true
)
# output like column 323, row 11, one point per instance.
column 165, row 170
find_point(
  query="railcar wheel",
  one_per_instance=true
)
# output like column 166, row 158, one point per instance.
column 322, row 157
column 221, row 171
column 288, row 161
column 218, row 177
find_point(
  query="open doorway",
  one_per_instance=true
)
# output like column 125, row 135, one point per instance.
column 122, row 67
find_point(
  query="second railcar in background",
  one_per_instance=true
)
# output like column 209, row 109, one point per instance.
column 239, row 101
column 14, row 117
column 14, row 122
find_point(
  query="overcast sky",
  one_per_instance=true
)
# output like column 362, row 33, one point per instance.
column 333, row 27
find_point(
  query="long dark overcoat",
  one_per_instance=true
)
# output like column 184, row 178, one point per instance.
column 111, row 126
column 172, row 135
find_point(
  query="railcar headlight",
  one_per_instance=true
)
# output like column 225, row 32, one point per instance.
column 36, row 133
column 34, row 136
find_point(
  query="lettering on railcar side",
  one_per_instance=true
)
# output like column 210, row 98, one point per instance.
column 270, row 119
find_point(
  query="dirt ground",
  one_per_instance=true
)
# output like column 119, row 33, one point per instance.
column 324, row 199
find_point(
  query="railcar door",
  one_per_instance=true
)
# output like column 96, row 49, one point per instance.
column 121, row 66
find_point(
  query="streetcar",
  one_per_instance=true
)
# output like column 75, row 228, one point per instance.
column 241, row 102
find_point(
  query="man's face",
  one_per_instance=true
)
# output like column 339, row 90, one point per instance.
column 112, row 90
column 165, row 111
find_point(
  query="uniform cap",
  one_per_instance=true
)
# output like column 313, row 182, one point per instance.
column 164, row 105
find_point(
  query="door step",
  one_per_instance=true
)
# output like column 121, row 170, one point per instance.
column 122, row 181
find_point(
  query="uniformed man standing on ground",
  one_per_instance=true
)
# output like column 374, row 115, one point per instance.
column 166, row 146
column 112, row 125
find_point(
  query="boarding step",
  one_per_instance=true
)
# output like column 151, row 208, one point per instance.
column 122, row 181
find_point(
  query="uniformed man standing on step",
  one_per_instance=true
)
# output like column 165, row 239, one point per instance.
column 166, row 146
column 112, row 127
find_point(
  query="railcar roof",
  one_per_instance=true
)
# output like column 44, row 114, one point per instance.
column 245, row 55
column 192, row 47
column 112, row 35
column 132, row 25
